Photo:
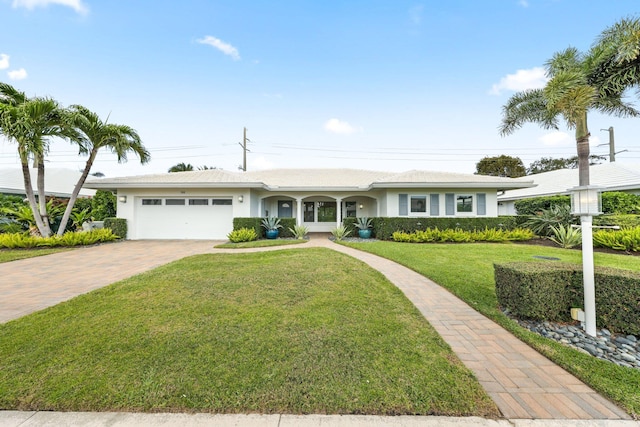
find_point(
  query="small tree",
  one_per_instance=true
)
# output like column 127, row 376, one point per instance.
column 181, row 167
column 547, row 164
column 103, row 205
column 505, row 166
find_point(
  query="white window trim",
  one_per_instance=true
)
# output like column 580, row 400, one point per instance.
column 426, row 205
column 473, row 204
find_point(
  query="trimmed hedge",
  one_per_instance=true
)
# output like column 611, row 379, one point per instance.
column 613, row 202
column 383, row 227
column 256, row 224
column 117, row 225
column 548, row 291
column 622, row 221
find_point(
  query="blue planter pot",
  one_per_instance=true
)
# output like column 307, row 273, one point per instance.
column 364, row 234
column 272, row 234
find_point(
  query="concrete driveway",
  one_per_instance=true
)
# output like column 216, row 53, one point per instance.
column 32, row 284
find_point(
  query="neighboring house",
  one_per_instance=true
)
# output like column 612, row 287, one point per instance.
column 202, row 204
column 610, row 176
column 58, row 182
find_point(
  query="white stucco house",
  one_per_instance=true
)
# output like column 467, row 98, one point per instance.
column 609, row 176
column 202, row 204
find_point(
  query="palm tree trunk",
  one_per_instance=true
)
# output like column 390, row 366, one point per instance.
column 76, row 191
column 28, row 189
column 582, row 141
column 42, row 197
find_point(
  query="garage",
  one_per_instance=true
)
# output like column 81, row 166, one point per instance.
column 183, row 218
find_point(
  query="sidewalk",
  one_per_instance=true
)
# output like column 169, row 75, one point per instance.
column 528, row 389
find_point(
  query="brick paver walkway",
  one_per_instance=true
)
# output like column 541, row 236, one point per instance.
column 524, row 384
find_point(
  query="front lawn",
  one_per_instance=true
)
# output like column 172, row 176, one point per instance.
column 467, row 271
column 262, row 243
column 295, row 331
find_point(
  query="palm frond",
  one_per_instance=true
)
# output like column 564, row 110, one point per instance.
column 529, row 106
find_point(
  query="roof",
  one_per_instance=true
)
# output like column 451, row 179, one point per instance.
column 610, row 176
column 59, row 182
column 308, row 179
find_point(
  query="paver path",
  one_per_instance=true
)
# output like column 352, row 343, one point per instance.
column 524, row 384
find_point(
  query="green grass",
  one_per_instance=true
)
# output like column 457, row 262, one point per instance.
column 263, row 243
column 467, row 271
column 290, row 331
column 7, row 255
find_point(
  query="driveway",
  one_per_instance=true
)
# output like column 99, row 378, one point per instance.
column 32, row 284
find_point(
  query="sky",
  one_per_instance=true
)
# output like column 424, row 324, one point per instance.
column 389, row 85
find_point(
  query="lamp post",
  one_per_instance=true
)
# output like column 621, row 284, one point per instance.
column 586, row 202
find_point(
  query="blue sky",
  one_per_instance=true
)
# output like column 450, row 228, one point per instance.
column 388, row 85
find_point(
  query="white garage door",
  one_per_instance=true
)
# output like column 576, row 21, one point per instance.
column 183, row 218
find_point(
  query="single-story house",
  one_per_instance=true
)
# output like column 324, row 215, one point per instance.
column 58, row 182
column 611, row 176
column 202, row 204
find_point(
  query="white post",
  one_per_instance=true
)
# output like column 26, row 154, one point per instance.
column 338, row 212
column 588, row 276
column 299, row 217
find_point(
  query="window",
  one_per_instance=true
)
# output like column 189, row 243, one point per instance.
column 198, row 202
column 151, row 202
column 464, row 203
column 309, row 211
column 418, row 204
column 327, row 212
column 221, row 202
column 350, row 209
column 435, row 204
column 174, row 202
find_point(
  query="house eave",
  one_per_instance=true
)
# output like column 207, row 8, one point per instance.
column 116, row 186
column 477, row 185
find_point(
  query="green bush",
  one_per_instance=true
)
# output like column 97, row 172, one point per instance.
column 544, row 222
column 26, row 241
column 287, row 226
column 566, row 237
column 117, row 225
column 617, row 202
column 384, row 227
column 536, row 204
column 622, row 220
column 435, row 235
column 103, row 205
column 254, row 222
column 242, row 235
column 619, row 240
column 548, row 291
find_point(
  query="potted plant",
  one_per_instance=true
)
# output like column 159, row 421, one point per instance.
column 363, row 224
column 271, row 225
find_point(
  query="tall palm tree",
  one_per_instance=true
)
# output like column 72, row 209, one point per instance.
column 95, row 135
column 580, row 83
column 31, row 123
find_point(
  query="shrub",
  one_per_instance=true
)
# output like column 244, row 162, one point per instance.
column 544, row 221
column 117, row 225
column 537, row 204
column 340, row 233
column 622, row 221
column 617, row 202
column 288, row 224
column 548, row 291
column 25, row 241
column 299, row 231
column 566, row 237
column 620, row 240
column 103, row 205
column 434, row 235
column 242, row 235
column 253, row 222
column 384, row 227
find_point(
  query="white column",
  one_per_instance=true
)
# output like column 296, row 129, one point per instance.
column 299, row 217
column 338, row 212
column 588, row 276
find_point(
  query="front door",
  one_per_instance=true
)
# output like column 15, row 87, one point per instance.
column 285, row 209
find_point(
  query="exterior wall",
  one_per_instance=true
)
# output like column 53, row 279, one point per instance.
column 507, row 208
column 392, row 204
column 130, row 210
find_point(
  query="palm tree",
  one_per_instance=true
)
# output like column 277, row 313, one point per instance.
column 181, row 167
column 580, row 83
column 96, row 134
column 31, row 123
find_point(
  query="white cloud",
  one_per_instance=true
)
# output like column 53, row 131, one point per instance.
column 340, row 127
column 4, row 61
column 20, row 74
column 523, row 3
column 223, row 47
column 555, row 139
column 76, row 5
column 533, row 78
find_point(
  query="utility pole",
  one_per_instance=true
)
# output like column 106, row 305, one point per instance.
column 612, row 147
column 243, row 144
